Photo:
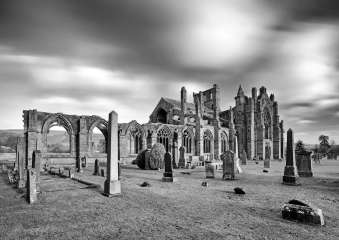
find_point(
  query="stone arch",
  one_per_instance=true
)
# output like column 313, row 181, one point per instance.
column 57, row 119
column 208, row 141
column 136, row 137
column 224, row 141
column 267, row 123
column 102, row 125
column 164, row 136
column 188, row 140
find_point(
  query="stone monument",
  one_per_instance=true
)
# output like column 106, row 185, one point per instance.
column 96, row 168
column 182, row 162
column 168, row 174
column 289, row 177
column 304, row 164
column 209, row 170
column 228, row 165
column 112, row 185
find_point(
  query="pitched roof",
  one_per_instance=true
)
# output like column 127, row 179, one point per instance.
column 177, row 104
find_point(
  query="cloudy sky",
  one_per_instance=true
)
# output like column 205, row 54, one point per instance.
column 91, row 57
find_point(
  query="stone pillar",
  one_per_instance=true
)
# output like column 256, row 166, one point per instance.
column 260, row 142
column 289, row 177
column 112, row 184
column 216, row 145
column 36, row 164
column 282, row 139
column 175, row 155
column 276, row 132
column 183, row 105
column 228, row 165
column 21, row 163
column 31, row 135
column 82, row 142
column 168, row 174
column 31, row 186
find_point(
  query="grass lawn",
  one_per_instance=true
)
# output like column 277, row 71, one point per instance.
column 180, row 210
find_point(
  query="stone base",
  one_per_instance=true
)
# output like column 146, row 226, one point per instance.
column 21, row 184
column 168, row 179
column 112, row 188
column 290, row 180
column 228, row 177
column 305, row 174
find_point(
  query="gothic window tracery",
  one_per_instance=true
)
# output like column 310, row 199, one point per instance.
column 224, row 144
column 163, row 137
column 208, row 137
column 187, row 141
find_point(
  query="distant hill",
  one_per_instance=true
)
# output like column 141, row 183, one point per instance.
column 58, row 141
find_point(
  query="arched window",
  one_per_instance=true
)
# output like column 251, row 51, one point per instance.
column 58, row 139
column 163, row 137
column 187, row 141
column 162, row 116
column 267, row 124
column 137, row 142
column 208, row 137
column 224, row 145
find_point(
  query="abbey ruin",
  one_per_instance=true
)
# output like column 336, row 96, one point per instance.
column 202, row 128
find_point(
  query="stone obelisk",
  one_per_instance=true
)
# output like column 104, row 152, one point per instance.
column 112, row 185
column 289, row 177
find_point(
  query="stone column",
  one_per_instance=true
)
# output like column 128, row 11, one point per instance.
column 21, row 163
column 31, row 186
column 112, row 185
column 36, row 162
column 289, row 177
column 82, row 142
column 282, row 139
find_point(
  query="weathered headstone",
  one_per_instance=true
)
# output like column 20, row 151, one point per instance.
column 83, row 162
column 299, row 211
column 304, row 164
column 31, row 186
column 182, row 162
column 209, row 170
column 36, row 162
column 267, row 163
column 228, row 165
column 112, row 185
column 102, row 172
column 289, row 177
column 147, row 157
column 96, row 167
column 168, row 174
column 244, row 158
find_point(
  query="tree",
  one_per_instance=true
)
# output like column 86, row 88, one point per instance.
column 300, row 147
column 324, row 143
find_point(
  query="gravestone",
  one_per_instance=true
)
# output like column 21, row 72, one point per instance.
column 168, row 174
column 83, row 162
column 267, row 163
column 209, row 170
column 147, row 157
column 31, row 186
column 102, row 172
column 228, row 165
column 182, row 162
column 36, row 162
column 296, row 210
column 289, row 177
column 244, row 158
column 304, row 164
column 112, row 186
column 96, row 167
